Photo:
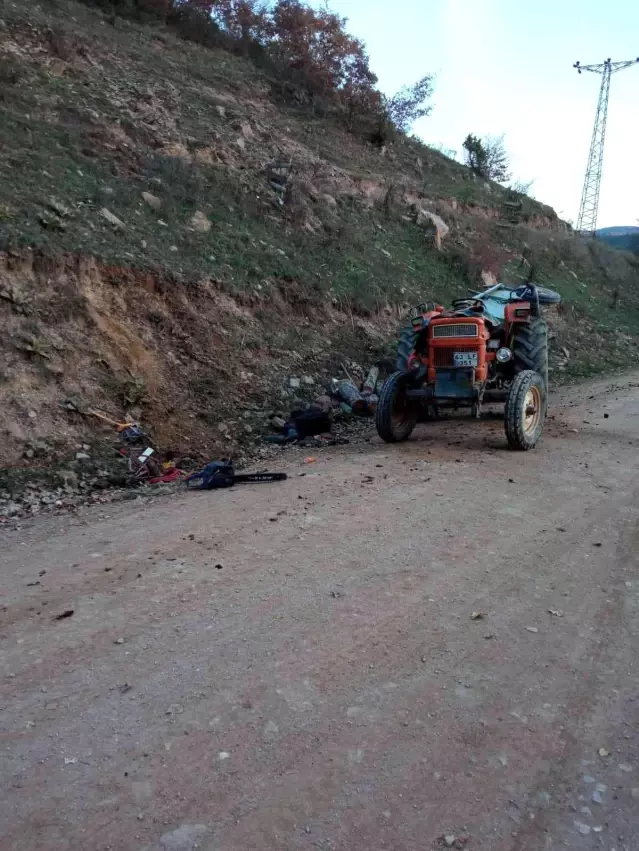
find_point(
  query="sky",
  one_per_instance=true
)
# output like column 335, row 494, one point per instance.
column 505, row 66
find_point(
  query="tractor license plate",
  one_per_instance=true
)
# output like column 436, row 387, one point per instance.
column 465, row 358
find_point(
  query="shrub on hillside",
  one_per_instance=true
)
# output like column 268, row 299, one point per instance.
column 487, row 157
column 410, row 104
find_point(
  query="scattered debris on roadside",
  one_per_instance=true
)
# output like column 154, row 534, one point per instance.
column 128, row 463
column 102, row 472
column 478, row 616
column 64, row 615
column 356, row 395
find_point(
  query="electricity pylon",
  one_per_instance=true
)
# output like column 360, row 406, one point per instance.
column 587, row 221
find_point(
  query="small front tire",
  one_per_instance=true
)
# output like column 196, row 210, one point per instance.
column 525, row 410
column 396, row 414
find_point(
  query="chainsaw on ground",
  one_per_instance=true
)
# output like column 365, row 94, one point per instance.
column 220, row 474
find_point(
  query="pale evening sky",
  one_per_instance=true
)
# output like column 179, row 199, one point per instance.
column 505, row 66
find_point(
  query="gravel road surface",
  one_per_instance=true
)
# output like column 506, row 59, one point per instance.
column 404, row 648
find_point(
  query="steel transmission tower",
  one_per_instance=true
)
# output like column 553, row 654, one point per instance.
column 587, row 221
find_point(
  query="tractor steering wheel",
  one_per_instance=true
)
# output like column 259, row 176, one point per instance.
column 469, row 304
column 420, row 309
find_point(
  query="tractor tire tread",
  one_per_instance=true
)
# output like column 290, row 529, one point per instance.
column 405, row 346
column 385, row 407
column 530, row 348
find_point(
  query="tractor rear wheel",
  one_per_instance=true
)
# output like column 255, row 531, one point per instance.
column 405, row 346
column 530, row 348
column 396, row 414
column 525, row 410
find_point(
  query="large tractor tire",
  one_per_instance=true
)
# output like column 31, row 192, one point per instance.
column 396, row 414
column 530, row 348
column 405, row 346
column 525, row 410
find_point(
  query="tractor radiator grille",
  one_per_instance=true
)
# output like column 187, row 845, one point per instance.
column 455, row 330
column 444, row 356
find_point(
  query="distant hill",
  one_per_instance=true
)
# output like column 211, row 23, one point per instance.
column 623, row 238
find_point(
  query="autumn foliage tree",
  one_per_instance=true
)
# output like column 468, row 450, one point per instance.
column 314, row 57
column 311, row 47
column 316, row 48
column 359, row 94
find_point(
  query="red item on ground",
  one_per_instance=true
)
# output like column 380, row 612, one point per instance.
column 171, row 476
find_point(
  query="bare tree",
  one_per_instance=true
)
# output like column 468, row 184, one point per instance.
column 521, row 187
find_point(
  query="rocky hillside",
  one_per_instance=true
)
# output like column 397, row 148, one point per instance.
column 179, row 242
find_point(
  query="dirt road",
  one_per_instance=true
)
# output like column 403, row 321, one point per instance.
column 296, row 666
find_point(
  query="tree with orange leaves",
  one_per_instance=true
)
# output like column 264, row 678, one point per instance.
column 315, row 58
column 316, row 45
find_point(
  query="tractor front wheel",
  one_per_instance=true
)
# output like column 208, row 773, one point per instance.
column 525, row 410
column 396, row 414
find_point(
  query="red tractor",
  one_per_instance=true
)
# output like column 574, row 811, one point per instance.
column 491, row 347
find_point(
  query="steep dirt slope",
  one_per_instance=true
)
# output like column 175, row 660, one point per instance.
column 205, row 368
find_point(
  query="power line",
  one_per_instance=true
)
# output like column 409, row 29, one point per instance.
column 587, row 220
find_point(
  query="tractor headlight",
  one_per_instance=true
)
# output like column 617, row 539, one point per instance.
column 504, row 355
